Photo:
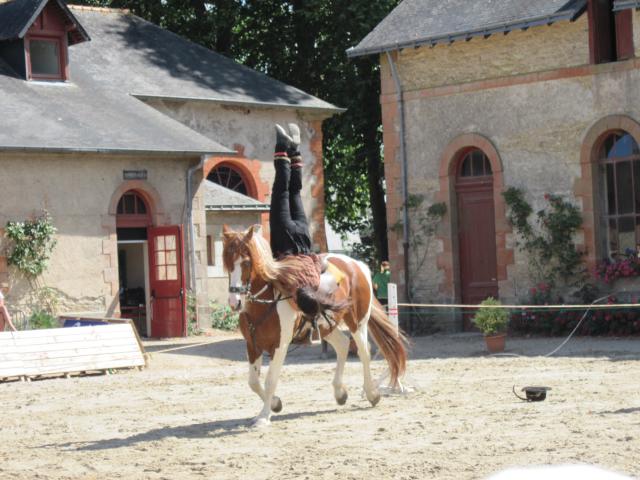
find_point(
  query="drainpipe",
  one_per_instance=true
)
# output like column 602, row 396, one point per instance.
column 192, row 239
column 403, row 170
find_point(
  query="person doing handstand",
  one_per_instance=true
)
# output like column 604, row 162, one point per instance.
column 290, row 227
column 287, row 220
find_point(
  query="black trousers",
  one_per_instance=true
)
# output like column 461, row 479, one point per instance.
column 288, row 222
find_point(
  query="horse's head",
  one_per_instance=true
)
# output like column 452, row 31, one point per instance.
column 237, row 262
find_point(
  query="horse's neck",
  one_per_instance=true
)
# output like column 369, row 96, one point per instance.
column 263, row 266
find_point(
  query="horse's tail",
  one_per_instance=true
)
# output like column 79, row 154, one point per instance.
column 313, row 302
column 392, row 342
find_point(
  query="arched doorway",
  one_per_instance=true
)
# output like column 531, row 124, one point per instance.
column 133, row 217
column 476, row 229
column 150, row 269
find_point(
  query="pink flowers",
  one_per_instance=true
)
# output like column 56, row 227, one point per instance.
column 608, row 271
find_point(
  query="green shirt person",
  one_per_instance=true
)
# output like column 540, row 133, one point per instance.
column 380, row 282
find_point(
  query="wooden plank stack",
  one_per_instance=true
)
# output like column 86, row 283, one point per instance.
column 32, row 353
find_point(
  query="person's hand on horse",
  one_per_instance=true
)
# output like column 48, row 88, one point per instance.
column 288, row 143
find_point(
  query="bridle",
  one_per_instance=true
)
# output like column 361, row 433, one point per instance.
column 245, row 289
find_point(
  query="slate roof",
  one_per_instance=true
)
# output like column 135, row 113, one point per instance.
column 217, row 197
column 429, row 22
column 153, row 62
column 18, row 15
column 88, row 116
column 99, row 109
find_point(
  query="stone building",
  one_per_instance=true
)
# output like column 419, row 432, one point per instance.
column 140, row 144
column 481, row 96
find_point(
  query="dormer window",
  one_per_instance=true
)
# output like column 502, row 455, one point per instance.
column 35, row 36
column 46, row 45
column 46, row 58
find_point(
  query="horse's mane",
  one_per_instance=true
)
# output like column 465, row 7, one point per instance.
column 287, row 272
column 262, row 258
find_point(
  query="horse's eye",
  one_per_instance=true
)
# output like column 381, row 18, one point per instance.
column 246, row 263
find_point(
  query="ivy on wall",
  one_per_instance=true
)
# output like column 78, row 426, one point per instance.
column 548, row 240
column 32, row 243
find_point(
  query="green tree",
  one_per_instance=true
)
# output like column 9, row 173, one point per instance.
column 307, row 50
column 303, row 43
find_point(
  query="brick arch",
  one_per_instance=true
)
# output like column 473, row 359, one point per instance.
column 447, row 260
column 586, row 187
column 147, row 192
column 248, row 169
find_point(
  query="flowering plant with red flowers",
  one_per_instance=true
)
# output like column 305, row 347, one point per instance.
column 626, row 266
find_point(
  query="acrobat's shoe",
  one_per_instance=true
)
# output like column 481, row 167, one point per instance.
column 288, row 143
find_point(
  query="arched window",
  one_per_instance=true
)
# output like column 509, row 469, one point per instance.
column 620, row 194
column 229, row 178
column 132, row 211
column 475, row 164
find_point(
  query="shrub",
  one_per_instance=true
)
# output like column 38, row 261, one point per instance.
column 32, row 244
column 41, row 319
column 192, row 318
column 610, row 322
column 223, row 317
column 491, row 321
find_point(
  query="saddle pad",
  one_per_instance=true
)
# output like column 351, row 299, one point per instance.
column 335, row 272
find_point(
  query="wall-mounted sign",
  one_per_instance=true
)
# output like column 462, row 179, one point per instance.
column 134, row 174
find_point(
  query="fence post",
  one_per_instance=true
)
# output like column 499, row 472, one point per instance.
column 392, row 292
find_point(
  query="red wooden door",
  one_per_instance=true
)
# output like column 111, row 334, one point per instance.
column 477, row 243
column 167, row 281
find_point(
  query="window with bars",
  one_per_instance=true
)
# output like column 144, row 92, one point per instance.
column 620, row 194
column 475, row 164
column 131, row 204
column 229, row 178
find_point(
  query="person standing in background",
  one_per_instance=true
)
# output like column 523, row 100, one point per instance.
column 380, row 282
column 5, row 318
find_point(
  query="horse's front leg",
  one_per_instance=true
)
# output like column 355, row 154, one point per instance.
column 256, row 386
column 287, row 319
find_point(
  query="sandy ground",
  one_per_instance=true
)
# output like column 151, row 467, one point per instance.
column 187, row 416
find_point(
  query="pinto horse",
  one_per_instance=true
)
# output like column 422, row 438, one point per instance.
column 269, row 316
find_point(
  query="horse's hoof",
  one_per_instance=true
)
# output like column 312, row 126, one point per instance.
column 375, row 400
column 260, row 422
column 276, row 404
column 342, row 399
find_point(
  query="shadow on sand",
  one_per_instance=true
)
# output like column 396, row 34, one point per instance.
column 216, row 429
column 438, row 346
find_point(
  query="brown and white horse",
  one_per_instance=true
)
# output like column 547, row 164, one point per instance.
column 269, row 317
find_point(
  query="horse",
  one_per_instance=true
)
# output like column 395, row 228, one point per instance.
column 269, row 316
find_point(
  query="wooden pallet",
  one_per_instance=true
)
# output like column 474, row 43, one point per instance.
column 33, row 353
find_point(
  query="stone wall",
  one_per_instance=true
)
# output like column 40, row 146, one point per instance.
column 218, row 280
column 250, row 132
column 560, row 45
column 537, row 115
column 81, row 191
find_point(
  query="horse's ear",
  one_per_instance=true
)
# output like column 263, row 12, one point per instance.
column 227, row 233
column 257, row 229
column 248, row 235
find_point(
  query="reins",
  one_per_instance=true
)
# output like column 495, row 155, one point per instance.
column 254, row 298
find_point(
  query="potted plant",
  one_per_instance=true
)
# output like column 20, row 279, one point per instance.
column 492, row 322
